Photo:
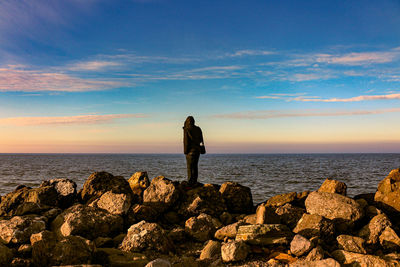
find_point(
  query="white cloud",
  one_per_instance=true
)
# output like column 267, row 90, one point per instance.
column 248, row 52
column 66, row 120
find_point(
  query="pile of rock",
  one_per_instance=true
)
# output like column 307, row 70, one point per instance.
column 112, row 221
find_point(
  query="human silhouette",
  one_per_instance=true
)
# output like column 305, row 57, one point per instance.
column 193, row 146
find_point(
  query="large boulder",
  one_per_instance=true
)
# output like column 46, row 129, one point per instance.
column 6, row 255
column 333, row 186
column 18, row 229
column 311, row 225
column 139, row 212
column 201, row 228
column 300, row 245
column 88, row 222
column 374, row 228
column 66, row 191
column 161, row 194
column 238, row 198
column 48, row 250
column 351, row 243
column 234, row 251
column 146, row 236
column 43, row 196
column 99, row 183
column 264, row 234
column 228, row 231
column 138, row 182
column 347, row 258
column 335, row 207
column 203, row 199
column 388, row 193
column 114, row 203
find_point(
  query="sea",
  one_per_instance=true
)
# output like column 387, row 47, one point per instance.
column 266, row 174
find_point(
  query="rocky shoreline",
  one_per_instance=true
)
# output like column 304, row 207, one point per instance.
column 112, row 221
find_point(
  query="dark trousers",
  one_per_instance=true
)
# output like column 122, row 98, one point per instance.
column 192, row 160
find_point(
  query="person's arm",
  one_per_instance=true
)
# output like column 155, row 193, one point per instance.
column 185, row 142
column 201, row 137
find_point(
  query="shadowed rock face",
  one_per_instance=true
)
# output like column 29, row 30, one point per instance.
column 6, row 255
column 388, row 193
column 99, row 183
column 48, row 250
column 311, row 225
column 43, row 196
column 88, row 222
column 66, row 191
column 138, row 182
column 18, row 229
column 238, row 198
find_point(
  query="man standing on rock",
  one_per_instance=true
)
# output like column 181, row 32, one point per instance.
column 193, row 146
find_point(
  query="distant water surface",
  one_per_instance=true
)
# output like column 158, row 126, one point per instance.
column 266, row 175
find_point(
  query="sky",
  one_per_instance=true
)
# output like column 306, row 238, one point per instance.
column 121, row 76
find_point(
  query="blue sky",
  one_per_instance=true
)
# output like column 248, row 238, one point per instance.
column 258, row 76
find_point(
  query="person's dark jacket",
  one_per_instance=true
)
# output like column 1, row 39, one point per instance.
column 192, row 137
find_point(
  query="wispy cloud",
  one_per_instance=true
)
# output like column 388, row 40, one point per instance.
column 94, row 65
column 358, row 58
column 248, row 52
column 351, row 99
column 67, row 120
column 318, row 99
column 37, row 81
column 273, row 114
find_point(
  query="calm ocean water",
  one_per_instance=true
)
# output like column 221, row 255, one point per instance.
column 266, row 175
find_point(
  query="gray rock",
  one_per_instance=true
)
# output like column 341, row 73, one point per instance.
column 356, row 259
column 234, row 251
column 289, row 214
column 238, row 198
column 118, row 204
column 333, row 186
column 48, row 250
column 138, row 182
column 389, row 239
column 351, row 243
column 212, row 250
column 315, row 254
column 100, row 182
column 374, row 228
column 202, row 199
column 228, row 231
column 88, row 222
column 66, row 191
column 146, row 236
column 388, row 193
column 161, row 194
column 264, row 234
column 266, row 215
column 201, row 228
column 18, row 229
column 300, row 245
column 280, row 200
column 334, row 206
column 311, row 225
